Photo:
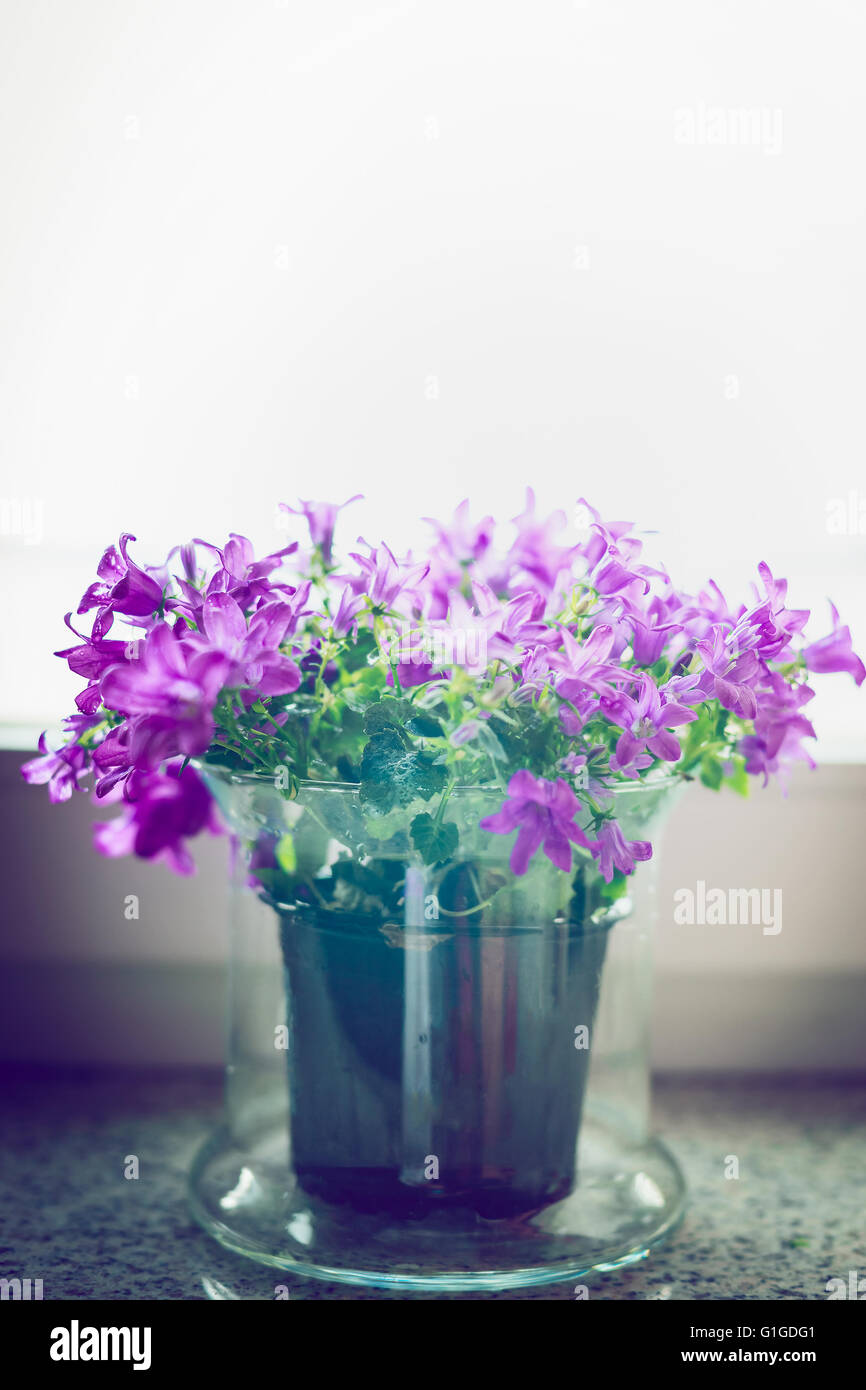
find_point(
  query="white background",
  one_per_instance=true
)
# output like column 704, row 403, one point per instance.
column 253, row 251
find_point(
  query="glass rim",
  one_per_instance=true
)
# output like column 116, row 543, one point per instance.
column 262, row 779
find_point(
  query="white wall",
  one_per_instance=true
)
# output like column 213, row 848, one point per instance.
column 254, row 249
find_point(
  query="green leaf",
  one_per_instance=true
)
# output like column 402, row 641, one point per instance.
column 285, row 854
column 386, row 713
column 392, row 775
column 435, row 843
column 712, row 772
column 617, row 888
column 698, row 734
column 362, row 687
column 424, row 725
column 356, row 655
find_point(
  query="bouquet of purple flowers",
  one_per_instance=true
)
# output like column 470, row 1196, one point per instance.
column 372, row 729
column 552, row 670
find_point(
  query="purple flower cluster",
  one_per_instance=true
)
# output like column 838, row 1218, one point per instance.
column 543, row 814
column 149, row 702
column 563, row 657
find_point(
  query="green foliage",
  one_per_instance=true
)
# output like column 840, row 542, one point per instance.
column 712, row 772
column 617, row 888
column 534, row 739
column 361, row 687
column 709, row 748
column 393, row 775
column 435, row 842
column 424, row 725
column 286, row 855
column 351, row 721
column 386, row 713
column 357, row 655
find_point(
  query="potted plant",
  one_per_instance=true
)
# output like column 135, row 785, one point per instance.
column 439, row 775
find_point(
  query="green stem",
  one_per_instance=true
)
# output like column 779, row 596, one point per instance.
column 443, row 802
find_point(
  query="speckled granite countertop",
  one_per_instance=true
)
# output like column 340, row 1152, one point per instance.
column 794, row 1218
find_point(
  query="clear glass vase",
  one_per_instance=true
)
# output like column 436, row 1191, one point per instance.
column 438, row 1076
